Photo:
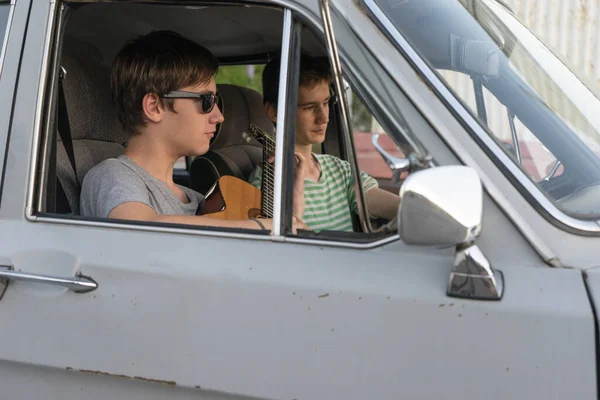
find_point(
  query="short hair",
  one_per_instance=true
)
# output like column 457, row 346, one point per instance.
column 313, row 70
column 158, row 62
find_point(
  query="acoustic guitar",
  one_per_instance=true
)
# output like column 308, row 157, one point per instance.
column 234, row 198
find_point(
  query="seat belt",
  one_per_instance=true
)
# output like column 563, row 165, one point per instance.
column 64, row 129
column 55, row 186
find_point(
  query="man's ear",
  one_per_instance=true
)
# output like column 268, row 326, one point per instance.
column 271, row 111
column 153, row 108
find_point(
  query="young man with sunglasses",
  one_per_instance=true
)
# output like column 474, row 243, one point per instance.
column 164, row 89
column 324, row 196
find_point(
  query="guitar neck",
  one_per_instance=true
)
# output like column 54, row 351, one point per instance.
column 268, row 179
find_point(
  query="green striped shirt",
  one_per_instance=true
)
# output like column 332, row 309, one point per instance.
column 329, row 203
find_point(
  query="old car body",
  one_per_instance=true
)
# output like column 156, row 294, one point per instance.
column 182, row 312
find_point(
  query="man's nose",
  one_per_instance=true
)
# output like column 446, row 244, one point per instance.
column 322, row 114
column 216, row 117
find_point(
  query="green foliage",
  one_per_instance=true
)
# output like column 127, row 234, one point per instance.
column 239, row 75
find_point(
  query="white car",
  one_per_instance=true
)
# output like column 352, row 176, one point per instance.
column 485, row 287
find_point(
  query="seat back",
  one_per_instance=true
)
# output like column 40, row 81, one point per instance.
column 230, row 153
column 95, row 129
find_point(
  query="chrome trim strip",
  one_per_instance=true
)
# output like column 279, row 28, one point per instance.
column 334, row 59
column 157, row 229
column 123, row 224
column 220, row 234
column 11, row 12
column 47, row 142
column 38, row 112
column 345, row 245
column 491, row 145
column 279, row 131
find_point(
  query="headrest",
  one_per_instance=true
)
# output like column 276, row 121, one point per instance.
column 87, row 94
column 240, row 107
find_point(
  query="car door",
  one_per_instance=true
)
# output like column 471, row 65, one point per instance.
column 437, row 336
column 184, row 313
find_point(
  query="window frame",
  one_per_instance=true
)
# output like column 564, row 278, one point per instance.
column 48, row 86
column 4, row 42
column 42, row 137
column 396, row 124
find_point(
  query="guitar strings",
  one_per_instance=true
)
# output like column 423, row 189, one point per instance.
column 268, row 177
column 268, row 173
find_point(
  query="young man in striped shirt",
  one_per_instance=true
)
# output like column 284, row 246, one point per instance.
column 324, row 182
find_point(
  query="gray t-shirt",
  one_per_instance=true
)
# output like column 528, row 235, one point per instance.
column 120, row 180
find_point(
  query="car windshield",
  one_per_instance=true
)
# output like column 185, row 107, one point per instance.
column 531, row 102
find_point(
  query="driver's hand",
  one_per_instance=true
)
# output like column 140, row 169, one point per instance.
column 296, row 224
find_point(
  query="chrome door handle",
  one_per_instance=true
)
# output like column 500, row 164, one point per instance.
column 79, row 284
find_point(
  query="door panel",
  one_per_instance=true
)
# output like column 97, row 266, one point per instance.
column 303, row 322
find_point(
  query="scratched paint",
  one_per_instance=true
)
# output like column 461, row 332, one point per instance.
column 139, row 378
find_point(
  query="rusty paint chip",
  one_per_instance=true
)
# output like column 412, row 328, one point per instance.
column 170, row 383
column 87, row 371
column 324, row 295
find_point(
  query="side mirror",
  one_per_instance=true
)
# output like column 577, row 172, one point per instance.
column 443, row 206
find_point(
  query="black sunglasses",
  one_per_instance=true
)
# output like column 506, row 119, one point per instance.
column 208, row 100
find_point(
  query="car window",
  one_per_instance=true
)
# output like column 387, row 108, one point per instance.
column 514, row 137
column 88, row 52
column 554, row 114
column 247, row 75
column 366, row 128
column 4, row 14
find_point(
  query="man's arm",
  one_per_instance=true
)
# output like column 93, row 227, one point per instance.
column 382, row 203
column 142, row 212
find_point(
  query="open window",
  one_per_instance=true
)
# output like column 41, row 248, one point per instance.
column 82, row 128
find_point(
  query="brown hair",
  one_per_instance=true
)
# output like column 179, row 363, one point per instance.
column 313, row 70
column 158, row 62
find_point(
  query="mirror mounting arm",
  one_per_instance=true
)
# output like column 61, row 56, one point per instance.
column 472, row 276
column 399, row 165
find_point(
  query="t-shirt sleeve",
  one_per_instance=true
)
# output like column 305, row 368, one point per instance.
column 255, row 178
column 368, row 183
column 109, row 185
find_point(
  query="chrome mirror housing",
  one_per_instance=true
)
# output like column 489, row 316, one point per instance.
column 443, row 206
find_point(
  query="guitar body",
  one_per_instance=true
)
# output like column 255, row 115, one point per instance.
column 232, row 198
